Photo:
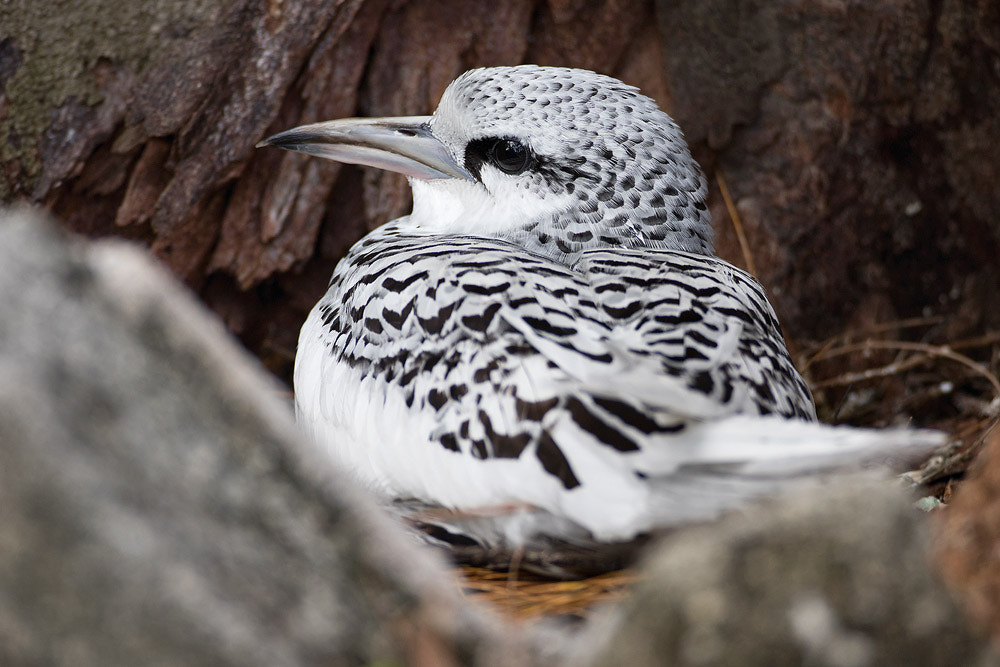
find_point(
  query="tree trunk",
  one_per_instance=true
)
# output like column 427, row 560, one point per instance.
column 858, row 140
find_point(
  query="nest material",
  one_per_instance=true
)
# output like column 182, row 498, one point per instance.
column 527, row 597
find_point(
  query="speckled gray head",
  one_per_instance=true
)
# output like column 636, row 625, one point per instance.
column 580, row 160
column 554, row 159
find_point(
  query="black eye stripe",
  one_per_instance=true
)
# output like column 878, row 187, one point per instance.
column 505, row 153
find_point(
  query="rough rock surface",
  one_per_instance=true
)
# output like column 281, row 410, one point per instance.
column 157, row 505
column 835, row 576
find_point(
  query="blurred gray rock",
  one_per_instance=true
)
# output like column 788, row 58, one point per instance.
column 834, row 576
column 156, row 504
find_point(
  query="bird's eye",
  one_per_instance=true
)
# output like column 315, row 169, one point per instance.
column 510, row 156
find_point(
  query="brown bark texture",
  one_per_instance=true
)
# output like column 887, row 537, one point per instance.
column 859, row 140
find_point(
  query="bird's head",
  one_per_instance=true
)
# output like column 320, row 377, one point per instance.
column 556, row 160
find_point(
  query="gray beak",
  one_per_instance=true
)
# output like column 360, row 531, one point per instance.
column 404, row 144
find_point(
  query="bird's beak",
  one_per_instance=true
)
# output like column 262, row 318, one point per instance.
column 404, row 144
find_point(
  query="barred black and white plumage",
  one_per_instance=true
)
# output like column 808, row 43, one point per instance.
column 549, row 329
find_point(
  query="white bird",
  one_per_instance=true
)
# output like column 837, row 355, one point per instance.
column 545, row 352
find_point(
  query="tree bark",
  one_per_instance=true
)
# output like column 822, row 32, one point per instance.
column 859, row 140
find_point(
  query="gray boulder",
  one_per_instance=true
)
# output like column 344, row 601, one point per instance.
column 157, row 505
column 835, row 576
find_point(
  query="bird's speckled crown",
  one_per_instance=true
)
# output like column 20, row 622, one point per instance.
column 624, row 164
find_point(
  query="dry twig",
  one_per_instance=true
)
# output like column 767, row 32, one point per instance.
column 737, row 223
column 927, row 351
column 853, row 334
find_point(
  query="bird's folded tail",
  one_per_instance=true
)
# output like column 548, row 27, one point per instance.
column 773, row 446
column 723, row 465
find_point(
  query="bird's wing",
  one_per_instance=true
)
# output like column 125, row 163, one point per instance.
column 701, row 320
column 446, row 291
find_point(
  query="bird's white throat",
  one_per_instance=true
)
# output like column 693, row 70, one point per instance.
column 491, row 208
